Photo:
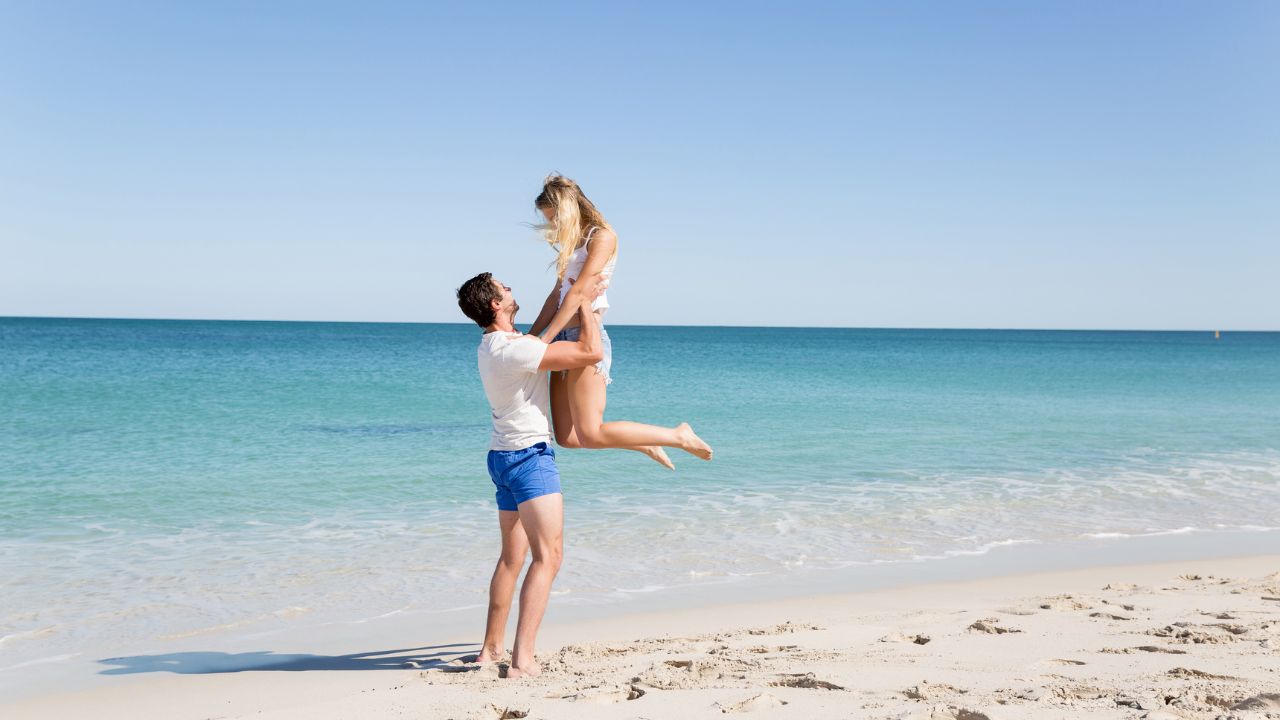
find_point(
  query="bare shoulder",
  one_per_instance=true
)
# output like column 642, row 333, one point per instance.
column 604, row 238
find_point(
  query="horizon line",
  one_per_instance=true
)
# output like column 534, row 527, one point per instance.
column 760, row 327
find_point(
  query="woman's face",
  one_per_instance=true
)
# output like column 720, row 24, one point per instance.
column 549, row 214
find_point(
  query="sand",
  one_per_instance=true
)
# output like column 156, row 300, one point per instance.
column 1192, row 639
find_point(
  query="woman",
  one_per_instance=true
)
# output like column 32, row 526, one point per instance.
column 585, row 244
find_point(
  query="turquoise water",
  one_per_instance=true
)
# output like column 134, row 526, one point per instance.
column 171, row 479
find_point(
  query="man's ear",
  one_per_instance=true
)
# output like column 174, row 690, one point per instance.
column 495, row 306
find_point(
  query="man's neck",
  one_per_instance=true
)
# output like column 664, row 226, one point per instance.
column 500, row 325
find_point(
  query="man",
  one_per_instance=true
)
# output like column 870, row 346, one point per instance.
column 522, row 465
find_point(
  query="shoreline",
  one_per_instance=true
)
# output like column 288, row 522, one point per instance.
column 240, row 676
column 234, row 646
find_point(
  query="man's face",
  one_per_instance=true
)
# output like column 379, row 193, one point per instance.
column 508, row 305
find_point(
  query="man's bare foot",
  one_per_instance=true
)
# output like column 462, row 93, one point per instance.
column 658, row 454
column 530, row 670
column 486, row 655
column 691, row 443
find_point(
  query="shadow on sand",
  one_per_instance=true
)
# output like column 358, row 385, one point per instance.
column 189, row 663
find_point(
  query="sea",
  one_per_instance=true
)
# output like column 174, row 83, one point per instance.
column 167, row 483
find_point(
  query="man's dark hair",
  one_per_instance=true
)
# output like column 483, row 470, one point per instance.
column 476, row 296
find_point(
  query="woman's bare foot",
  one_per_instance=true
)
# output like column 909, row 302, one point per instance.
column 691, row 443
column 659, row 455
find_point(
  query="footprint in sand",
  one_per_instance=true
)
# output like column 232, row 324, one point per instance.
column 1120, row 587
column 916, row 639
column 701, row 673
column 932, row 691
column 1015, row 611
column 1066, row 602
column 1188, row 633
column 763, row 701
column 1189, row 674
column 1220, row 615
column 783, row 628
column 1263, row 702
column 1079, row 692
column 804, row 680
column 943, row 712
column 989, row 626
column 1143, row 648
column 1108, row 616
column 606, row 696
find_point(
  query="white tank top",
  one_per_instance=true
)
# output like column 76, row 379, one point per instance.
column 574, row 269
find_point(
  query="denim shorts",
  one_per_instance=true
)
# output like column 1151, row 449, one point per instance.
column 606, row 363
column 521, row 475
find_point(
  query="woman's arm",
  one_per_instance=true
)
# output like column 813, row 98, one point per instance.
column 548, row 311
column 603, row 244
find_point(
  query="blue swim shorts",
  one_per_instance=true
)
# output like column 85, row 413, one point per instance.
column 523, row 474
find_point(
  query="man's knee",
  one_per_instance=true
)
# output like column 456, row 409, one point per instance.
column 551, row 555
column 510, row 562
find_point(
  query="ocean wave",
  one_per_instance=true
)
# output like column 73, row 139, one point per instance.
column 1148, row 533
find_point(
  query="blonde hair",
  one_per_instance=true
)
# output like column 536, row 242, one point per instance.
column 573, row 215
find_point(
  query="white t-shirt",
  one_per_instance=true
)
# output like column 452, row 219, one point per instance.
column 518, row 392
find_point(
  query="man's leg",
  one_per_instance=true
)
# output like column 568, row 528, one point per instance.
column 543, row 521
column 515, row 545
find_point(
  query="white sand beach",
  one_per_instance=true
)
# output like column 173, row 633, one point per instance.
column 1186, row 639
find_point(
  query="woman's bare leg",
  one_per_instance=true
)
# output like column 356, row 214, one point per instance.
column 587, row 400
column 567, row 436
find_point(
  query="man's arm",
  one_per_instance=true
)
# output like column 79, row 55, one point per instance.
column 586, row 351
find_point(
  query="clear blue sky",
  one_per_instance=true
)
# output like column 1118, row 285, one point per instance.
column 888, row 164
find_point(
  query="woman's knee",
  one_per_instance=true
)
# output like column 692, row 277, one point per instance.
column 567, row 439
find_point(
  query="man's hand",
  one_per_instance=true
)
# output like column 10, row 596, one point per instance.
column 581, row 296
column 590, row 287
